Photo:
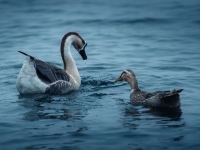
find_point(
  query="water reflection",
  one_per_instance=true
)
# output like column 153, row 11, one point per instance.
column 51, row 107
column 138, row 116
column 71, row 106
column 174, row 114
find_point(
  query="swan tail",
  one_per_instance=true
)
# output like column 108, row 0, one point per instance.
column 26, row 54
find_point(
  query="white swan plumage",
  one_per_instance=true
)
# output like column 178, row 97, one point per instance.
column 37, row 76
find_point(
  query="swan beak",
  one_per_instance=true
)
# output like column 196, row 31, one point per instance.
column 83, row 54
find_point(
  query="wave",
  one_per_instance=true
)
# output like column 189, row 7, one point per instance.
column 145, row 20
column 176, row 68
column 197, row 22
column 94, row 82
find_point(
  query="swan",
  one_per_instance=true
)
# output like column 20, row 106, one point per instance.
column 37, row 76
column 158, row 99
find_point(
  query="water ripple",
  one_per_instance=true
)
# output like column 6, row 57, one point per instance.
column 158, row 40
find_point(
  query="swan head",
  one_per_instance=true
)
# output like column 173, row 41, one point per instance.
column 127, row 75
column 74, row 39
column 81, row 49
column 79, row 44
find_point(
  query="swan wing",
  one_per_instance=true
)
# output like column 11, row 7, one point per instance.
column 59, row 87
column 49, row 73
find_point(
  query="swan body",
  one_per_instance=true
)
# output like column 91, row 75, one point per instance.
column 37, row 76
column 28, row 81
column 158, row 99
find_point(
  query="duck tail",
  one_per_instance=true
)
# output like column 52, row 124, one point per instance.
column 173, row 93
column 26, row 54
column 172, row 98
column 177, row 91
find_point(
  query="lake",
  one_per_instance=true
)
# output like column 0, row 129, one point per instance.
column 158, row 40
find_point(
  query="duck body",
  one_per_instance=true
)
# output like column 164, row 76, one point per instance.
column 162, row 99
column 37, row 76
column 158, row 99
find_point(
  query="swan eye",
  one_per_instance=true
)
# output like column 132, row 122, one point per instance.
column 76, row 46
column 83, row 48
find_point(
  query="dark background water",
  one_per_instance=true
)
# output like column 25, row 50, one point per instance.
column 159, row 40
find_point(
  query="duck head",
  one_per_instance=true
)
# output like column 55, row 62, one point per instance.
column 126, row 75
column 129, row 76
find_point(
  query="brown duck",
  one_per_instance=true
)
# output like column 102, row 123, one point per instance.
column 158, row 99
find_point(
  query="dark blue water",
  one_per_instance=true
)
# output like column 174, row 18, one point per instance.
column 159, row 40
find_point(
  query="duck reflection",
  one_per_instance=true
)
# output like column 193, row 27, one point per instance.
column 136, row 116
column 174, row 113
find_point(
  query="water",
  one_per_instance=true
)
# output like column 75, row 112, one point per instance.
column 158, row 40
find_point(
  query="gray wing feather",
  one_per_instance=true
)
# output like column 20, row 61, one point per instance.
column 49, row 73
column 57, row 78
column 59, row 87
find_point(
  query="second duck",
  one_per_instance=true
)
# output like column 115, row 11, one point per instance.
column 158, row 99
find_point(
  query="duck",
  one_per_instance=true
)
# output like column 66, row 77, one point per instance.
column 37, row 76
column 159, row 99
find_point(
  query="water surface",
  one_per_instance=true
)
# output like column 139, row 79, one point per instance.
column 158, row 40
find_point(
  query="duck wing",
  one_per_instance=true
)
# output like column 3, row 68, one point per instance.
column 139, row 97
column 46, row 72
column 168, row 93
column 169, row 99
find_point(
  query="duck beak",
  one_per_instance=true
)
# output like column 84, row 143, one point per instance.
column 82, row 52
column 118, row 79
